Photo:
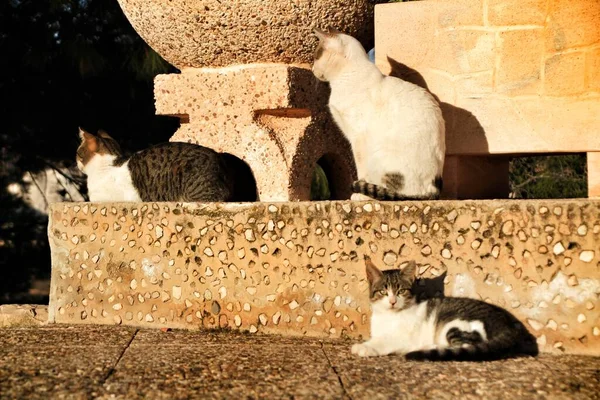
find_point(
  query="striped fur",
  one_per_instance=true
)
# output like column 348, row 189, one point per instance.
column 380, row 192
column 504, row 345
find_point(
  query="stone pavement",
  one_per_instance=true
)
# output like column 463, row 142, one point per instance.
column 59, row 361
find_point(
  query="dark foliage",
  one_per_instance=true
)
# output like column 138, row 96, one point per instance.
column 548, row 177
column 64, row 64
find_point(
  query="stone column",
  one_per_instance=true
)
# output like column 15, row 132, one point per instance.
column 245, row 86
column 593, row 169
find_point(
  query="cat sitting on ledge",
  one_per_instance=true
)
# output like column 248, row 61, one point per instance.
column 170, row 171
column 396, row 128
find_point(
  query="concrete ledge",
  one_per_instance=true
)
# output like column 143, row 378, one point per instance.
column 23, row 315
column 296, row 268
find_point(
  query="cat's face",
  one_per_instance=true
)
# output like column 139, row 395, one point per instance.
column 95, row 145
column 333, row 53
column 392, row 289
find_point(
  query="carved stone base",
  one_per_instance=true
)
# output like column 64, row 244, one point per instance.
column 274, row 117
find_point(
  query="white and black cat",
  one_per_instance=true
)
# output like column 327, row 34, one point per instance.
column 396, row 128
column 165, row 172
column 447, row 328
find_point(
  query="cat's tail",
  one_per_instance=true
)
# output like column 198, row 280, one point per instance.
column 379, row 192
column 501, row 346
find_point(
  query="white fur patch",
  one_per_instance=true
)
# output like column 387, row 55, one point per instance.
column 465, row 326
column 400, row 331
column 109, row 183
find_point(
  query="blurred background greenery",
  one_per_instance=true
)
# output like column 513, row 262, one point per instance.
column 70, row 63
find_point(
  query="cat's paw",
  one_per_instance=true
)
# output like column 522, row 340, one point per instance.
column 360, row 197
column 364, row 350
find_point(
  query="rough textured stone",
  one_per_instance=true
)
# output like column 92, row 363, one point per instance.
column 559, row 66
column 310, row 280
column 517, row 12
column 198, row 33
column 118, row 362
column 572, row 23
column 519, row 56
column 21, row 315
column 593, row 70
column 274, row 117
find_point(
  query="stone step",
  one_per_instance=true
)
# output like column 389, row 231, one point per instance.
column 297, row 268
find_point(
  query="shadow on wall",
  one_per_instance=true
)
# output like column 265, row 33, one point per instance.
column 457, row 119
column 245, row 184
column 322, row 146
column 428, row 288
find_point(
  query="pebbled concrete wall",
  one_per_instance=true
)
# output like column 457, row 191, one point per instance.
column 296, row 268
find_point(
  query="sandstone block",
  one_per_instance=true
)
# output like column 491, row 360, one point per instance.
column 489, row 75
column 564, row 74
column 517, row 12
column 593, row 165
column 476, row 84
column 460, row 12
column 572, row 24
column 462, row 51
column 520, row 55
column 593, row 70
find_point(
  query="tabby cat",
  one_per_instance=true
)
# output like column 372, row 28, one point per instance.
column 446, row 328
column 396, row 128
column 166, row 172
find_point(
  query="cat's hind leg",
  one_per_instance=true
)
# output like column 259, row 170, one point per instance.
column 458, row 338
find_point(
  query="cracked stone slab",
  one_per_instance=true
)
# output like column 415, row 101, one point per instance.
column 116, row 362
column 221, row 337
column 514, row 378
column 51, row 335
column 256, row 369
column 55, row 361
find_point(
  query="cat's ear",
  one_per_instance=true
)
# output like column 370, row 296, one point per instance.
column 374, row 275
column 102, row 133
column 410, row 271
column 85, row 135
column 321, row 35
column 90, row 140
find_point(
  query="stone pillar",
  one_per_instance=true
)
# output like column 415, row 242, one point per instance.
column 258, row 100
column 593, row 169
